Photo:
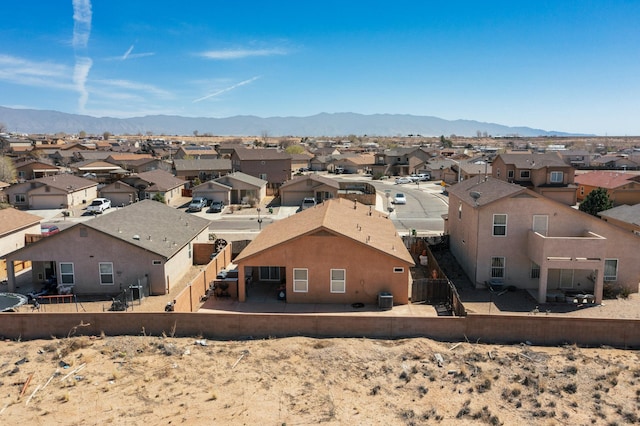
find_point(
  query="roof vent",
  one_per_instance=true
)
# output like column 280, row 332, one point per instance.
column 136, row 237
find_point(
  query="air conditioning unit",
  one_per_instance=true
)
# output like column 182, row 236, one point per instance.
column 385, row 300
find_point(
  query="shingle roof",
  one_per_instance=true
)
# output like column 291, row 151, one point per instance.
column 624, row 213
column 160, row 180
column 316, row 178
column 13, row 219
column 604, row 179
column 242, row 177
column 203, row 164
column 490, row 190
column 338, row 217
column 533, row 161
column 66, row 182
column 245, row 154
column 161, row 229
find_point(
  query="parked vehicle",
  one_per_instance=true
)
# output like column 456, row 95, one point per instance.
column 399, row 198
column 47, row 230
column 216, row 207
column 197, row 204
column 339, row 170
column 99, row 205
column 414, row 178
column 424, row 177
column 402, row 180
column 307, row 202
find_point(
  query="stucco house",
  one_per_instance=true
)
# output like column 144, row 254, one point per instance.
column 214, row 191
column 14, row 226
column 201, row 168
column 335, row 252
column 146, row 242
column 33, row 169
column 622, row 187
column 509, row 234
column 155, row 182
column 119, row 193
column 270, row 165
column 244, row 187
column 52, row 192
column 624, row 216
column 308, row 186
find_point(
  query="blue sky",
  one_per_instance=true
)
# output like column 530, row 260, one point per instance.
column 556, row 65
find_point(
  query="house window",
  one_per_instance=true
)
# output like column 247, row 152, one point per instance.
column 189, row 252
column 263, row 176
column 300, row 280
column 610, row 269
column 269, row 273
column 20, row 198
column 582, row 190
column 497, row 267
column 525, row 174
column 535, row 270
column 557, row 177
column 540, row 224
column 156, row 262
column 460, row 211
column 498, row 172
column 22, row 174
column 67, row 276
column 106, row 273
column 510, row 174
column 338, row 281
column 398, row 270
column 499, row 225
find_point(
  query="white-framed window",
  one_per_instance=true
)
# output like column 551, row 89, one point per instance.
column 22, row 174
column 300, row 280
column 263, row 176
column 460, row 211
column 499, row 225
column 67, row 277
column 557, row 177
column 338, row 280
column 20, row 198
column 610, row 269
column 510, row 174
column 541, row 224
column 156, row 262
column 497, row 267
column 269, row 273
column 525, row 174
column 106, row 273
column 582, row 190
column 535, row 270
column 398, row 270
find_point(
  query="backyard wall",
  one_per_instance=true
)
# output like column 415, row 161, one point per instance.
column 539, row 330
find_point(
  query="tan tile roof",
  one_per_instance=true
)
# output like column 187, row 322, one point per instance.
column 604, row 179
column 13, row 219
column 128, row 157
column 338, row 217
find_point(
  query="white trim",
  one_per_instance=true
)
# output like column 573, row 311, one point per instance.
column 502, row 225
column 298, row 281
column 101, row 274
column 67, row 274
column 398, row 270
column 334, row 282
column 610, row 277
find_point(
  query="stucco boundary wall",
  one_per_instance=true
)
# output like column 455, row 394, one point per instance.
column 538, row 330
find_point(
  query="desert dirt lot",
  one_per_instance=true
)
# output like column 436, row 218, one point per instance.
column 165, row 380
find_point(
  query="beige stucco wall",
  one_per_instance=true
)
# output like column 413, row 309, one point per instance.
column 476, row 227
column 368, row 271
column 180, row 263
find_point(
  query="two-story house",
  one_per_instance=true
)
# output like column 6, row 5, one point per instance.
column 500, row 231
column 622, row 187
column 267, row 164
column 547, row 174
column 399, row 161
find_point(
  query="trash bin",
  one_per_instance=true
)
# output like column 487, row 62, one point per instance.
column 385, row 300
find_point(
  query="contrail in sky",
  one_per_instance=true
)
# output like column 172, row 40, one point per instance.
column 81, row 33
column 221, row 91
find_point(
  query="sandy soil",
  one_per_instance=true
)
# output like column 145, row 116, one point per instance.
column 165, row 380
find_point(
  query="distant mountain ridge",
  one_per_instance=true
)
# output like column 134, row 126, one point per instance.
column 324, row 124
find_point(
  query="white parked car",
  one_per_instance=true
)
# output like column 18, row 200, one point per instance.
column 99, row 205
column 401, row 180
column 307, row 203
column 399, row 198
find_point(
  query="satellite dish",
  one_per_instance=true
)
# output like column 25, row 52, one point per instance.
column 475, row 195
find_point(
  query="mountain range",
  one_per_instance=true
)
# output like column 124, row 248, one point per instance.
column 324, row 124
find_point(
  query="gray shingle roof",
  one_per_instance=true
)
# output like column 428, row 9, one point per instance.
column 624, row 213
column 261, row 154
column 203, row 164
column 490, row 190
column 161, row 229
column 66, row 182
column 534, row 161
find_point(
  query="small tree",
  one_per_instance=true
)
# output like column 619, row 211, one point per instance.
column 596, row 201
column 8, row 172
column 158, row 197
column 106, row 136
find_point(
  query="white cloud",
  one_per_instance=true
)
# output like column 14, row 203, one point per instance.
column 135, row 86
column 227, row 89
column 81, row 23
column 240, row 53
column 32, row 73
column 80, row 74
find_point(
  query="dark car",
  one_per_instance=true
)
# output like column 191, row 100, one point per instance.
column 216, row 207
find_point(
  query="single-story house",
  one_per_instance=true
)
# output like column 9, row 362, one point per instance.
column 201, row 168
column 624, row 216
column 119, row 193
column 52, row 192
column 146, row 242
column 336, row 252
column 244, row 187
column 213, row 191
column 308, row 186
column 155, row 182
column 33, row 169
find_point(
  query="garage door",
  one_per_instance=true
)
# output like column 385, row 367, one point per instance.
column 47, row 201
